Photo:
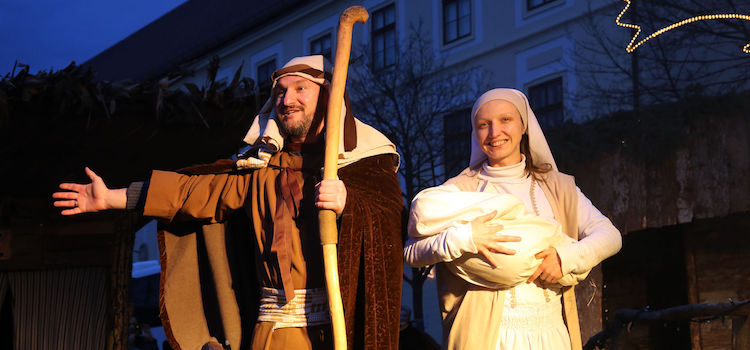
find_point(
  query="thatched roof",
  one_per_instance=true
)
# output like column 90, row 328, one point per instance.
column 54, row 124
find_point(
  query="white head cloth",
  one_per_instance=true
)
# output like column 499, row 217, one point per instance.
column 538, row 146
column 369, row 142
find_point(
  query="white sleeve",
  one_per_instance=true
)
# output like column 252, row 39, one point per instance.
column 442, row 247
column 598, row 239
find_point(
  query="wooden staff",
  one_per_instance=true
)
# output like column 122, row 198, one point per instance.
column 327, row 218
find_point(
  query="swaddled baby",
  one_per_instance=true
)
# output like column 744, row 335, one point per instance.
column 435, row 210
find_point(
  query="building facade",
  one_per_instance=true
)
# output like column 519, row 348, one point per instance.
column 524, row 44
column 536, row 46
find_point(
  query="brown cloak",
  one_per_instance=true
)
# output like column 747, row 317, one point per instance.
column 209, row 290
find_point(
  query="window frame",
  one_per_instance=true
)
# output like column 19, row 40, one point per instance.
column 263, row 64
column 264, row 86
column 444, row 21
column 530, row 7
column 318, row 38
column 456, row 136
column 542, row 111
column 382, row 31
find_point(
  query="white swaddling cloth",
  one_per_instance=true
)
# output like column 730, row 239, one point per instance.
column 435, row 210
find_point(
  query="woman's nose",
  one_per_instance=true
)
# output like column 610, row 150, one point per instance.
column 495, row 130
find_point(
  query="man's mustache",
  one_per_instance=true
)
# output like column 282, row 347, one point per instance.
column 284, row 108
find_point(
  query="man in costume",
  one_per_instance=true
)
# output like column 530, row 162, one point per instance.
column 219, row 271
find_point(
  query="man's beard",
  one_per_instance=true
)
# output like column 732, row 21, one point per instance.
column 298, row 130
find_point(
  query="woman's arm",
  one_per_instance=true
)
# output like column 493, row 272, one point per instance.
column 445, row 246
column 474, row 237
column 598, row 239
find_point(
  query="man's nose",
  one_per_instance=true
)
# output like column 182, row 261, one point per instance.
column 288, row 97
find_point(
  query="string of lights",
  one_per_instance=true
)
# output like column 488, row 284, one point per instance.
column 631, row 47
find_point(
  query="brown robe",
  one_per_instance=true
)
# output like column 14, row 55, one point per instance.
column 211, row 271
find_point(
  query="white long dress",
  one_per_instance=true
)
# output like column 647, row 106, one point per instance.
column 532, row 316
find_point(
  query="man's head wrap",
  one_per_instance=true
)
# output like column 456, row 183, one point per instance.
column 356, row 141
column 538, row 146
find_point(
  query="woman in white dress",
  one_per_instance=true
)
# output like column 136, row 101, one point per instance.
column 510, row 235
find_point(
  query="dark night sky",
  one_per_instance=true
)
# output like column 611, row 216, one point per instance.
column 52, row 33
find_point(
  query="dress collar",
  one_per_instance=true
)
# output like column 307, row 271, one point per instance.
column 510, row 174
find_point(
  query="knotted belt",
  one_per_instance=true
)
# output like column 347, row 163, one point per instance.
column 309, row 308
column 288, row 196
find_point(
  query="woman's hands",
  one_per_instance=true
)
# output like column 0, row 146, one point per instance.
column 550, row 270
column 89, row 198
column 487, row 238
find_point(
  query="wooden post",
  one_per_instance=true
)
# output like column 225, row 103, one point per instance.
column 692, row 284
column 740, row 333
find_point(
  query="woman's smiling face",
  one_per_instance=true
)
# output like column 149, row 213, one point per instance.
column 499, row 129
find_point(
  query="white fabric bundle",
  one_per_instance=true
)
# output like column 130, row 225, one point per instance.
column 436, row 209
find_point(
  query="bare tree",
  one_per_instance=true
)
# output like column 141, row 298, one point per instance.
column 407, row 102
column 704, row 57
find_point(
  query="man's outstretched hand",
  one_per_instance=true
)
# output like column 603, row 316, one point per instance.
column 89, row 198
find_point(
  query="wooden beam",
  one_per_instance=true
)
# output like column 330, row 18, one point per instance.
column 740, row 333
column 692, row 284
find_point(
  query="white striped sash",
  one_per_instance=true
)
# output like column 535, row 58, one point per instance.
column 308, row 308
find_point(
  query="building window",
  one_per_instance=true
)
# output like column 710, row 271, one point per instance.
column 456, row 142
column 321, row 46
column 546, row 100
column 534, row 4
column 456, row 20
column 264, row 71
column 384, row 37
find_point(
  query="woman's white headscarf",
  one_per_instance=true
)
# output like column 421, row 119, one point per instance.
column 538, row 146
column 358, row 140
